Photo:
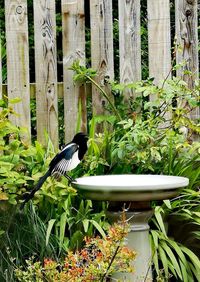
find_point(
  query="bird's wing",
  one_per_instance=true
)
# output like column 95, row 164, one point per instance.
column 62, row 167
column 62, row 159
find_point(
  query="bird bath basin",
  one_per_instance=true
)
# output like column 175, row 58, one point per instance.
column 134, row 192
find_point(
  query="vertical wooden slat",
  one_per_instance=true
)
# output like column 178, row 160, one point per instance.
column 159, row 39
column 101, row 49
column 73, row 23
column 129, row 41
column 187, row 41
column 18, row 61
column 46, row 70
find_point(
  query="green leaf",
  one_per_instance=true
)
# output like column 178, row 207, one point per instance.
column 49, row 228
column 178, row 250
column 120, row 153
column 154, row 256
column 159, row 219
column 172, row 258
column 128, row 124
column 2, row 103
column 195, row 271
column 86, row 225
column 2, row 232
column 168, row 204
column 15, row 100
column 164, row 260
column 155, row 238
column 98, row 227
column 76, row 240
column 193, row 258
column 63, row 221
column 185, row 274
column 173, row 270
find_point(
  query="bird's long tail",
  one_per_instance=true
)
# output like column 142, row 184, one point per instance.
column 36, row 188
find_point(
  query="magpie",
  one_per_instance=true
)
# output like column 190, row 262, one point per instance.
column 70, row 156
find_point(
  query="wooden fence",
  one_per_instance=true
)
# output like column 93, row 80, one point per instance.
column 46, row 89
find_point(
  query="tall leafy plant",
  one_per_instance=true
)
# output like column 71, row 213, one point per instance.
column 155, row 136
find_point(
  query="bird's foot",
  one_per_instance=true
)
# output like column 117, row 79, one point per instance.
column 70, row 179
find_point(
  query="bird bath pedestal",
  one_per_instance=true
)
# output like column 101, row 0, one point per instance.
column 135, row 192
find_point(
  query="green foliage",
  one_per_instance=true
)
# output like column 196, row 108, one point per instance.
column 72, row 219
column 144, row 136
column 66, row 217
column 155, row 136
column 3, row 57
column 24, row 238
column 171, row 256
column 20, row 163
column 85, row 75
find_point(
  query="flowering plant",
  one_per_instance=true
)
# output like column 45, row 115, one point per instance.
column 99, row 259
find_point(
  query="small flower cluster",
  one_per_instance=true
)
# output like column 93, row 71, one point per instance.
column 99, row 259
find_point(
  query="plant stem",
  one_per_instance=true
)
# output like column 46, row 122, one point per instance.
column 105, row 96
column 112, row 259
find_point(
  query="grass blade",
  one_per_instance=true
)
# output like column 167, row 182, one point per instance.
column 49, row 228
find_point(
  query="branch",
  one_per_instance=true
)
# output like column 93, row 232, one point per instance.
column 105, row 96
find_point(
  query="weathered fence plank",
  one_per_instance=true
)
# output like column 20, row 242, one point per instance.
column 46, row 70
column 187, row 42
column 18, row 61
column 129, row 42
column 101, row 49
column 159, row 39
column 73, row 24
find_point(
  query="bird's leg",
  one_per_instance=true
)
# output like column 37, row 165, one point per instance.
column 70, row 179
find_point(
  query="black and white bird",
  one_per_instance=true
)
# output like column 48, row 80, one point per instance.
column 69, row 157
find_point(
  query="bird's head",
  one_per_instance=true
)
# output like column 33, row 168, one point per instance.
column 80, row 139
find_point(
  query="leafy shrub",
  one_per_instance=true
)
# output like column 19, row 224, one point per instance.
column 20, row 163
column 99, row 259
column 172, row 258
column 155, row 135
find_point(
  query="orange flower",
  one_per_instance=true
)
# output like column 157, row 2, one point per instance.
column 84, row 253
column 47, row 262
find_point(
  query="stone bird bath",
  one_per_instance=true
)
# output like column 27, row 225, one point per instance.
column 135, row 192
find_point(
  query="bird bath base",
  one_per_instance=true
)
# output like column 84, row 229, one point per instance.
column 137, row 240
column 137, row 191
